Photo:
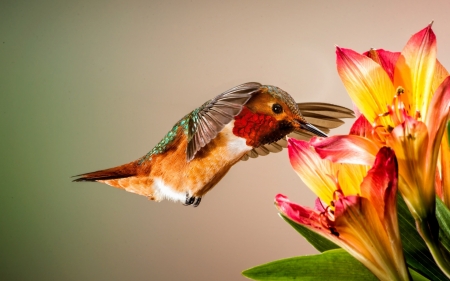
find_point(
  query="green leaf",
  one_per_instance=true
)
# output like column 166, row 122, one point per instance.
column 416, row 276
column 443, row 217
column 416, row 251
column 331, row 265
column 316, row 240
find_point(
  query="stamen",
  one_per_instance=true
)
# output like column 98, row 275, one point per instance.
column 384, row 114
column 330, row 213
column 338, row 193
column 418, row 115
column 326, row 219
column 334, row 231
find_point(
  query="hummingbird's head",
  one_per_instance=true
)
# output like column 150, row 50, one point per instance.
column 270, row 115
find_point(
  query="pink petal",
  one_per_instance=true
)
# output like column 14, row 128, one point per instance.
column 301, row 215
column 319, row 205
column 386, row 59
column 349, row 149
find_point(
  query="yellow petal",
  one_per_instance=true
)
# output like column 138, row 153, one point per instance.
column 414, row 71
column 409, row 140
column 367, row 83
column 445, row 166
column 436, row 122
column 315, row 173
column 440, row 73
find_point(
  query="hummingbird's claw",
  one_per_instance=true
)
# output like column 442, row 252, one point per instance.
column 197, row 201
column 192, row 200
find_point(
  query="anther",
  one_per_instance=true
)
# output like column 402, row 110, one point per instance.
column 400, row 91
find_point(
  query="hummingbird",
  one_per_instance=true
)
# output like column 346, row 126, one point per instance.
column 247, row 121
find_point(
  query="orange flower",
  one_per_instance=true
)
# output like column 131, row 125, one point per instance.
column 358, row 208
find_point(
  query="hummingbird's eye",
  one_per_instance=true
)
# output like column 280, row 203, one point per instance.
column 276, row 108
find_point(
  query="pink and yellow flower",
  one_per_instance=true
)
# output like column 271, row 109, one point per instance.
column 405, row 98
column 356, row 210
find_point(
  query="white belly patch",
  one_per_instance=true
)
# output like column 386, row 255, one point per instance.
column 164, row 191
column 236, row 145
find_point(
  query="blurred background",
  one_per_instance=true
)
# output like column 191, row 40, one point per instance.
column 87, row 85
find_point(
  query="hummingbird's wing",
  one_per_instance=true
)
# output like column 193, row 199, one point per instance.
column 323, row 116
column 208, row 120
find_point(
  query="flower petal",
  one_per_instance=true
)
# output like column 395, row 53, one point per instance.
column 414, row 71
column 380, row 187
column 315, row 173
column 381, row 177
column 367, row 242
column 361, row 127
column 436, row 121
column 440, row 73
column 368, row 85
column 445, row 166
column 319, row 205
column 350, row 149
column 365, row 238
column 386, row 59
column 301, row 215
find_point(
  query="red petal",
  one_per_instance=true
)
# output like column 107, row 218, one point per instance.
column 380, row 187
column 363, row 128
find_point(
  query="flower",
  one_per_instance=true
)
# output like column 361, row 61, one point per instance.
column 395, row 92
column 404, row 100
column 357, row 208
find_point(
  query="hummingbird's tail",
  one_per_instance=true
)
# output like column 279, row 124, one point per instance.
column 133, row 177
column 108, row 175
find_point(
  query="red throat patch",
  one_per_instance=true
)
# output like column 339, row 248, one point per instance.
column 253, row 126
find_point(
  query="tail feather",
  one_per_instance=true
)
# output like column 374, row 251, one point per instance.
column 123, row 171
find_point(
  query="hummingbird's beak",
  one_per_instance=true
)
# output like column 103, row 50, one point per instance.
column 310, row 128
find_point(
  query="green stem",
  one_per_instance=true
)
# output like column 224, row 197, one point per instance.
column 441, row 256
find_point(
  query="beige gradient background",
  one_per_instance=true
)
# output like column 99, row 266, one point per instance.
column 87, row 85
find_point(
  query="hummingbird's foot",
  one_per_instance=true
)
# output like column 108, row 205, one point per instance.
column 192, row 200
column 189, row 200
column 197, row 201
